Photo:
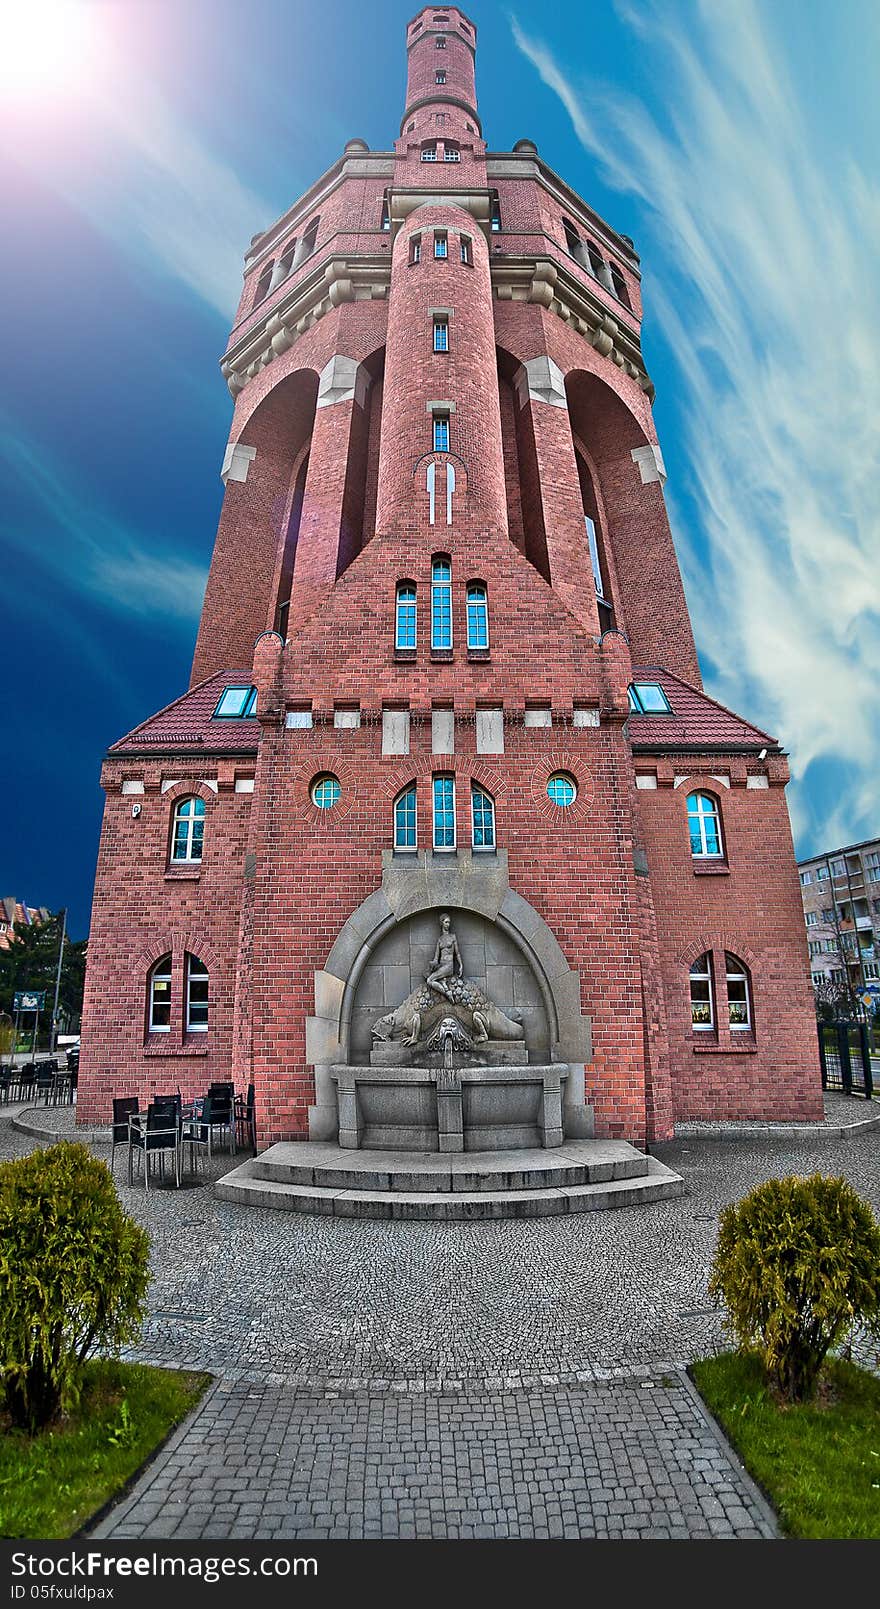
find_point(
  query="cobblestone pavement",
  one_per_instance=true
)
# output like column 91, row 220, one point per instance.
column 518, row 1314
column 633, row 1459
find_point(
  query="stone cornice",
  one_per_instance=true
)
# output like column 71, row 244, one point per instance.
column 337, row 280
column 352, row 164
column 541, row 280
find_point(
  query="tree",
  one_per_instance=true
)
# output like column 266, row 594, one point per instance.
column 31, row 962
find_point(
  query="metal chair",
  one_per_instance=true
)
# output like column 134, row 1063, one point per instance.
column 124, row 1107
column 44, row 1083
column 159, row 1135
column 246, row 1119
column 26, row 1075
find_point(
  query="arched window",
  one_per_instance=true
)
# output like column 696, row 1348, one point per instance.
column 429, row 152
column 444, row 812
column 441, row 602
column 704, row 825
column 159, row 1005
column 309, row 239
column 702, row 1008
column 619, row 284
column 477, row 615
column 405, row 616
column 196, row 996
column 405, row 819
column 189, row 830
column 285, row 261
column 264, row 282
column 451, row 153
column 482, row 818
column 739, row 993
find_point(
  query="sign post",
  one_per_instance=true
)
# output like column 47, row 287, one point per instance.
column 30, row 1000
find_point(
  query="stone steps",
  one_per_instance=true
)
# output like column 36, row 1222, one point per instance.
column 579, row 1176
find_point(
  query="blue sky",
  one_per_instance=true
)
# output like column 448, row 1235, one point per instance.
column 730, row 139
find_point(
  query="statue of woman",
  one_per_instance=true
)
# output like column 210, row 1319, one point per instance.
column 447, row 960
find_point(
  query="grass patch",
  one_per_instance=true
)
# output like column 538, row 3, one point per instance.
column 818, row 1462
column 51, row 1484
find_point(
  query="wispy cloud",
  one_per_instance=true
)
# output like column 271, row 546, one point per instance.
column 88, row 550
column 761, row 272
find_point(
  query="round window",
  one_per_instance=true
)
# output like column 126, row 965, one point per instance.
column 326, row 792
column 562, row 789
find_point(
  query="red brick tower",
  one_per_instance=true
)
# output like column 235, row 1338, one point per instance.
column 445, row 662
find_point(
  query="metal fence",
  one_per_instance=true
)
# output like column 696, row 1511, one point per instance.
column 845, row 1056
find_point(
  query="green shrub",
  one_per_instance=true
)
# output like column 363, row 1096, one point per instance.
column 797, row 1264
column 74, row 1270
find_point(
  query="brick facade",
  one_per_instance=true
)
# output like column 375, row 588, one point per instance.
column 328, row 503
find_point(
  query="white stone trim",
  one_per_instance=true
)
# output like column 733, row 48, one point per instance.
column 541, row 380
column 244, row 784
column 646, row 780
column 341, row 380
column 757, row 782
column 650, row 464
column 237, row 460
column 585, row 716
column 132, row 786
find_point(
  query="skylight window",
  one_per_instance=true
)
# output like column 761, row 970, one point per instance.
column 235, row 703
column 648, row 698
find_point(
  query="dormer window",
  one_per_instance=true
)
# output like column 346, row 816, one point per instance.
column 648, row 698
column 236, row 703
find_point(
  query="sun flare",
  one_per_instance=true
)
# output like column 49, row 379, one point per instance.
column 49, row 48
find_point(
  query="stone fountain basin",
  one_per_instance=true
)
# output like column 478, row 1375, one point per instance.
column 491, row 1108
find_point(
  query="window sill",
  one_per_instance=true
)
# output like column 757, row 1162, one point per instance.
column 480, row 655
column 442, row 656
column 731, row 1049
column 404, row 656
column 711, row 869
column 183, row 874
column 162, row 1045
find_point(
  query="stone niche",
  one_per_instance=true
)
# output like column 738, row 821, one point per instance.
column 386, row 947
column 401, row 960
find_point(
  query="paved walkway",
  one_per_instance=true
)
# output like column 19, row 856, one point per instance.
column 636, row 1459
column 390, row 1376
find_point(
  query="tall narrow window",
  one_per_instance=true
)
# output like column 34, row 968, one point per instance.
column 386, row 215
column 439, row 44
column 477, row 616
column 405, row 626
column 704, row 825
column 415, row 250
column 189, row 830
column 405, row 819
column 595, row 258
column 440, row 244
column 196, row 996
column 444, row 812
column 495, row 215
column 160, row 997
column 702, row 1013
column 264, row 282
column 309, row 239
column 738, row 994
column 441, row 433
column 441, row 603
column 440, row 77
column 482, row 818
column 441, row 334
column 466, row 251
column 619, row 284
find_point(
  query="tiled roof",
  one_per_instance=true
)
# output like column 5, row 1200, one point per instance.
column 696, row 721
column 187, row 723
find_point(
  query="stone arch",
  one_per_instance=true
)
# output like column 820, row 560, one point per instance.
column 471, row 886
